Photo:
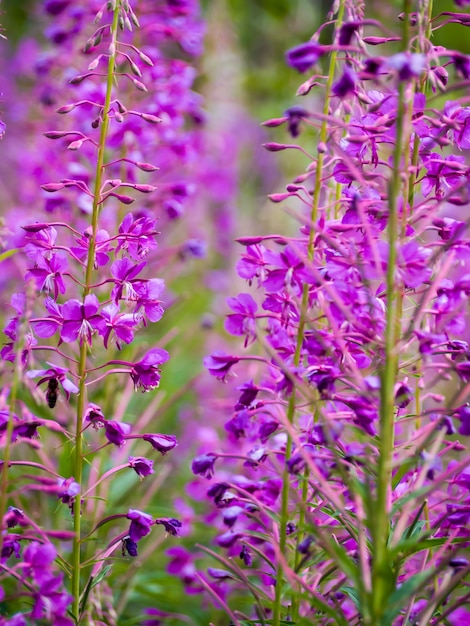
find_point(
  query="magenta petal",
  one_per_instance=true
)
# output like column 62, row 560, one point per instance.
column 46, row 328
column 70, row 331
column 90, row 305
column 72, row 310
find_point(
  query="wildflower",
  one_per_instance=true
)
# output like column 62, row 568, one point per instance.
column 48, row 274
column 13, row 517
column 204, row 465
column 140, row 524
column 243, row 321
column 142, row 466
column 116, row 432
column 145, row 373
column 122, row 325
column 94, row 415
column 81, row 319
column 171, row 525
column 57, row 373
column 161, row 443
column 129, row 546
column 304, row 56
column 68, row 488
column 219, row 364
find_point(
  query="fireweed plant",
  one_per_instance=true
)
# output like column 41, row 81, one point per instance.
column 91, row 283
column 343, row 484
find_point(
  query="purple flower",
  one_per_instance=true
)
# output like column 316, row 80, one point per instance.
column 11, row 545
column 345, row 85
column 294, row 116
column 124, row 272
column 94, row 414
column 443, row 175
column 48, row 326
column 48, row 274
column 137, row 236
column 142, row 466
column 13, row 517
column 203, row 465
column 38, row 557
column 141, row 524
column 102, row 247
column 407, row 65
column 219, row 574
column 145, row 373
column 243, row 322
column 147, row 298
column 121, row 324
column 463, row 415
column 57, row 373
column 68, row 488
column 304, row 56
column 81, row 319
column 171, row 525
column 219, row 364
column 162, row 443
column 129, row 546
column 246, row 555
column 116, row 432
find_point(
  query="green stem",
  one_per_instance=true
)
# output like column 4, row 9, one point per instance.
column 383, row 575
column 78, row 457
column 284, row 518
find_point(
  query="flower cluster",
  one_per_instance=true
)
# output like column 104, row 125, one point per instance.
column 90, row 280
column 337, row 470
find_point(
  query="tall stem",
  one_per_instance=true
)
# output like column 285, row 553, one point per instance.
column 78, row 458
column 383, row 578
column 284, row 518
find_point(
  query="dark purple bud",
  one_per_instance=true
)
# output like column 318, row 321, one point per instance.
column 463, row 414
column 290, row 528
column 346, row 85
column 116, row 432
column 267, row 429
column 219, row 364
column 407, row 65
column 141, row 524
column 304, row 56
column 35, row 228
column 218, row 492
column 94, row 414
column 458, row 563
column 230, row 515
column 403, row 396
column 171, row 525
column 162, row 443
column 246, row 556
column 347, row 32
column 218, row 574
column 142, row 466
column 203, row 465
column 304, row 545
column 294, row 117
column 227, row 539
column 13, row 517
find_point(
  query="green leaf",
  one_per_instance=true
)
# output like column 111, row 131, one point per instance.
column 351, row 592
column 8, row 253
column 402, row 594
